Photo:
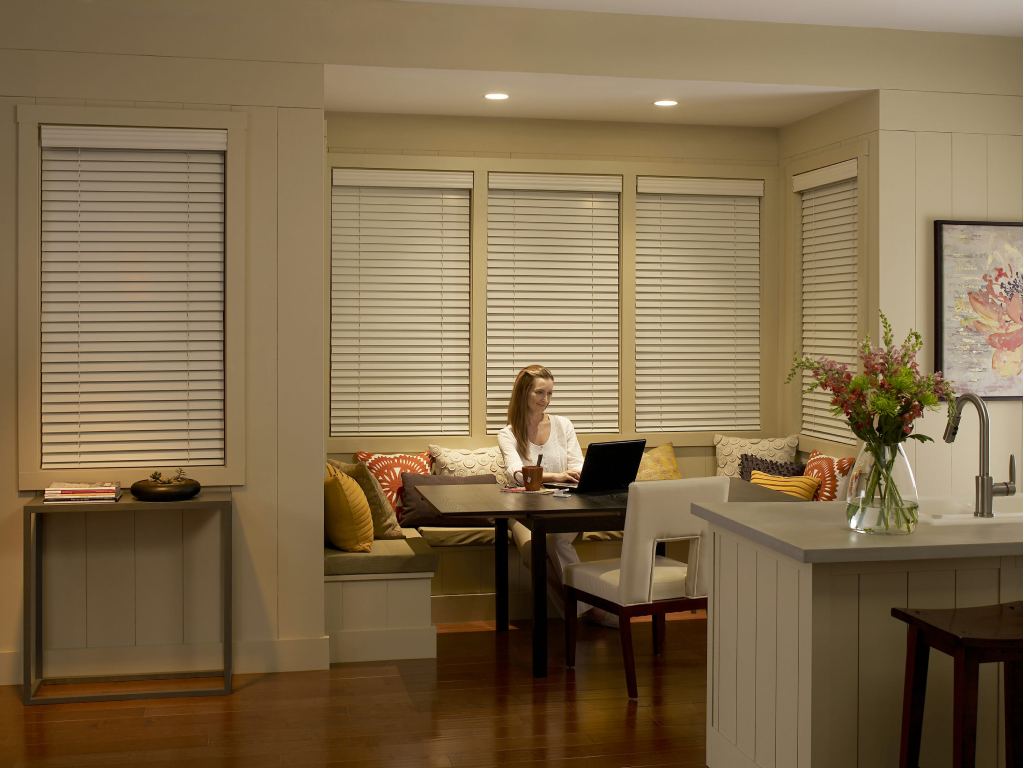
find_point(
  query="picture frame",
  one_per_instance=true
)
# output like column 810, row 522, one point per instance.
column 978, row 307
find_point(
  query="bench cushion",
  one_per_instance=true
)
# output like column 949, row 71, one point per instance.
column 409, row 555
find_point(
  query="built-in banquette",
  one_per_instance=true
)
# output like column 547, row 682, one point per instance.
column 389, row 584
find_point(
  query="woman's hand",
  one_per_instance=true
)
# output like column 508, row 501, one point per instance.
column 572, row 476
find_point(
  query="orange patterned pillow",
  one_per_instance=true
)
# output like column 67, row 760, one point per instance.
column 833, row 472
column 388, row 469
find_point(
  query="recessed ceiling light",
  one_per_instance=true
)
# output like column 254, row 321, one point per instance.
column 496, row 96
column 666, row 103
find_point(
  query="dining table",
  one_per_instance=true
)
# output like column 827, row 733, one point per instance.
column 543, row 512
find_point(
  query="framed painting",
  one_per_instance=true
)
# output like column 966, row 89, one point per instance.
column 978, row 307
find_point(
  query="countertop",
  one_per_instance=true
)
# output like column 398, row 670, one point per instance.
column 816, row 532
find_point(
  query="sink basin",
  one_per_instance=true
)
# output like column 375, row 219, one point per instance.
column 1005, row 509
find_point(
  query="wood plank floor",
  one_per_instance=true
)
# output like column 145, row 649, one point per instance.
column 475, row 705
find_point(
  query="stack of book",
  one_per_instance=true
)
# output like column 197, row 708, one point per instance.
column 66, row 493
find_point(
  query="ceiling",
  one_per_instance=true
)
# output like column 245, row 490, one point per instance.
column 350, row 88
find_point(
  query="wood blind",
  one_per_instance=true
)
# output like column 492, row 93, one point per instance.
column 829, row 295
column 553, row 292
column 132, row 297
column 399, row 303
column 697, row 307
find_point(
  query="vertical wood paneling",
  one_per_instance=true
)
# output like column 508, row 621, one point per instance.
column 714, row 634
column 255, row 529
column 727, row 639
column 935, row 589
column 834, row 667
column 805, row 702
column 746, row 650
column 934, row 200
column 64, row 580
column 980, row 586
column 970, row 176
column 882, row 642
column 897, row 227
column 788, row 664
column 1004, row 179
column 301, row 413
column 158, row 577
column 201, row 599
column 1010, row 579
column 766, row 630
column 110, row 592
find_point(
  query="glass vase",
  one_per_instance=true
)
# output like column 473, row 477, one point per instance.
column 882, row 496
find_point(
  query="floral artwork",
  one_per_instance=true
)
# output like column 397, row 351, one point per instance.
column 978, row 306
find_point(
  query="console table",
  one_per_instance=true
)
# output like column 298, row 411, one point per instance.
column 36, row 511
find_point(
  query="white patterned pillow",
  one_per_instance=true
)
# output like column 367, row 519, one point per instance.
column 465, row 462
column 729, row 449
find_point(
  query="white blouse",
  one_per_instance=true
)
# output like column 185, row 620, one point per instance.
column 560, row 453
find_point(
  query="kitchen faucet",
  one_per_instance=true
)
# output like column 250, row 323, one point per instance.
column 984, row 488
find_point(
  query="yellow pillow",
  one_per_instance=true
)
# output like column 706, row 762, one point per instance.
column 347, row 520
column 801, row 486
column 659, row 464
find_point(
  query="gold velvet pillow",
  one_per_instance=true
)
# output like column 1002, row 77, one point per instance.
column 347, row 521
column 800, row 486
column 385, row 524
column 659, row 464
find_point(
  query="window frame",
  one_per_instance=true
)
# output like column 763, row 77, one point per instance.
column 867, row 284
column 31, row 475
column 628, row 169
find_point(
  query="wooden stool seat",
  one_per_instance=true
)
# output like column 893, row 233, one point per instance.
column 972, row 636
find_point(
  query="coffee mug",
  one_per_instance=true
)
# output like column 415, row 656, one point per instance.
column 532, row 476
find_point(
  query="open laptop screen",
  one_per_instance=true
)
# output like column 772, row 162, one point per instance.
column 608, row 466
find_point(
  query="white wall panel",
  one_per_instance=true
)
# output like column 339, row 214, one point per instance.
column 158, row 577
column 64, row 580
column 110, row 587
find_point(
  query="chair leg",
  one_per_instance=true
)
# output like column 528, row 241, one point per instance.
column 915, row 682
column 658, row 632
column 626, row 639
column 1012, row 712
column 965, row 708
column 570, row 628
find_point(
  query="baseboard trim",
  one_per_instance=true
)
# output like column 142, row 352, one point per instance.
column 383, row 644
column 290, row 655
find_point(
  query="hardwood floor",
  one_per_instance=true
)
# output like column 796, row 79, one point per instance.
column 475, row 705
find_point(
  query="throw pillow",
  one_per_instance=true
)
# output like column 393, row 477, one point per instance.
column 385, row 524
column 749, row 462
column 416, row 511
column 659, row 464
column 833, row 472
column 801, row 486
column 729, row 449
column 348, row 524
column 465, row 462
column 388, row 469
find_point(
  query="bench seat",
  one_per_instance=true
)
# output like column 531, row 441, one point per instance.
column 377, row 604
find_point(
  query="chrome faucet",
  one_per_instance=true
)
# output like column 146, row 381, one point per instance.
column 984, row 488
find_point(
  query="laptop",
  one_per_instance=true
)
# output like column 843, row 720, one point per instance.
column 608, row 467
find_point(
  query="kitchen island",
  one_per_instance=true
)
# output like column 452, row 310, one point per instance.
column 805, row 663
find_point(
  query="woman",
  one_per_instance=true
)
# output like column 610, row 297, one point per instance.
column 533, row 434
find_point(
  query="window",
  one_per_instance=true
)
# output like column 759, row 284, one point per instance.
column 399, row 302
column 829, row 298
column 132, row 287
column 697, row 304
column 553, row 292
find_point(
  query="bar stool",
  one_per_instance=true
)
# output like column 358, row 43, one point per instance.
column 972, row 636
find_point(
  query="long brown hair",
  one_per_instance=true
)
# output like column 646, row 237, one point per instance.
column 517, row 402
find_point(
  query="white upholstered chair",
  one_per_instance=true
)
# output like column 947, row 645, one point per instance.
column 640, row 582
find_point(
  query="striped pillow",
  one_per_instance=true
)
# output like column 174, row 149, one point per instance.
column 800, row 486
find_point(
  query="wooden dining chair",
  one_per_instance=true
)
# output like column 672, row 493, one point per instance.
column 641, row 582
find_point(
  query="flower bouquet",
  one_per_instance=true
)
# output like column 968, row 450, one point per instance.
column 881, row 405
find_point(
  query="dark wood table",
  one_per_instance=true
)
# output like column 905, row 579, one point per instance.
column 543, row 514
